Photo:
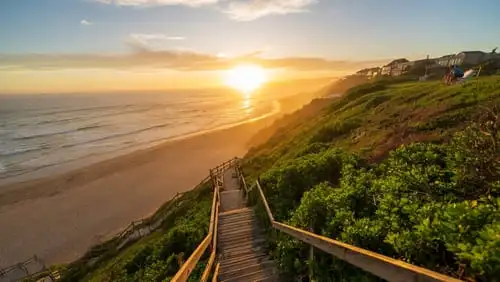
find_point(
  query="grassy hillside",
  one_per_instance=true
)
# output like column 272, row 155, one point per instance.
column 295, row 111
column 407, row 169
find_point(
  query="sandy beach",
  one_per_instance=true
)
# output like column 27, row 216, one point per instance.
column 60, row 216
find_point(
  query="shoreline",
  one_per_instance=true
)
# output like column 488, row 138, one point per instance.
column 72, row 170
column 91, row 159
column 60, row 216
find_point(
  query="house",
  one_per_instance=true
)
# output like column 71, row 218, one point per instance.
column 463, row 58
column 471, row 57
column 363, row 72
column 402, row 68
column 372, row 72
column 395, row 68
column 423, row 62
column 419, row 67
column 446, row 60
column 369, row 72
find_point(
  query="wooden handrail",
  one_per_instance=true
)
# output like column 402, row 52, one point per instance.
column 212, row 212
column 206, row 273
column 186, row 269
column 264, row 201
column 216, row 273
column 216, row 224
column 211, row 260
column 244, row 184
column 382, row 266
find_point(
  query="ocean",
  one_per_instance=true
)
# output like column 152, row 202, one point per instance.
column 40, row 133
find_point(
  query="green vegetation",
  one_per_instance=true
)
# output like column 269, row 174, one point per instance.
column 155, row 257
column 410, row 170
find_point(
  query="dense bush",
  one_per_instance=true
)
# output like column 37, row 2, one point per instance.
column 434, row 205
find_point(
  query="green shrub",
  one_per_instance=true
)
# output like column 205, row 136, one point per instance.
column 434, row 205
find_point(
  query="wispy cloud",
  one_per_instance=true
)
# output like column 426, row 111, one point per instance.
column 192, row 3
column 85, row 22
column 251, row 10
column 155, row 36
column 240, row 10
column 145, row 42
column 168, row 59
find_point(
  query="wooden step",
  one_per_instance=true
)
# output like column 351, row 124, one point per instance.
column 241, row 238
column 237, row 223
column 238, row 262
column 257, row 275
column 249, row 257
column 248, row 227
column 237, row 212
column 231, row 273
column 240, row 229
column 249, row 244
column 230, row 218
column 245, row 246
column 240, row 265
column 237, row 252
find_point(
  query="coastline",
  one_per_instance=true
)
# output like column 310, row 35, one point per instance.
column 58, row 217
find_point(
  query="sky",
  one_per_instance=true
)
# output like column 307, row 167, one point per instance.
column 95, row 45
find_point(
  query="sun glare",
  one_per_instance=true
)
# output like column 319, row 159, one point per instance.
column 246, row 78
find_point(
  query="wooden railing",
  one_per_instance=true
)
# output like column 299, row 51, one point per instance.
column 134, row 231
column 382, row 266
column 217, row 175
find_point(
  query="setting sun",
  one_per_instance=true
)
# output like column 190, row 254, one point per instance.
column 246, row 78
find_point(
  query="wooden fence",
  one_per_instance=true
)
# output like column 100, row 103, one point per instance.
column 133, row 232
column 23, row 269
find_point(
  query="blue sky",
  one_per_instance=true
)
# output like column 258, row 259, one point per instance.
column 338, row 29
column 331, row 33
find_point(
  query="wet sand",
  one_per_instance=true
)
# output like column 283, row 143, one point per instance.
column 59, row 217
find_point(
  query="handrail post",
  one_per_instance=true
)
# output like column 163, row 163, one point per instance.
column 311, row 259
column 269, row 213
column 212, row 212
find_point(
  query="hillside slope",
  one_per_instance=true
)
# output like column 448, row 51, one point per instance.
column 154, row 257
column 407, row 169
column 376, row 117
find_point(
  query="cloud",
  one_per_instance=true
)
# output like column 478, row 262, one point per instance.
column 154, row 36
column 148, row 3
column 85, row 22
column 168, row 59
column 146, row 42
column 240, row 10
column 254, row 9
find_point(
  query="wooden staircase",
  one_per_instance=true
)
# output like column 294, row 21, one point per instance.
column 241, row 242
column 238, row 244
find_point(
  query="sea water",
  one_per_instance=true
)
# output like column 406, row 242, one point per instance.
column 52, row 131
